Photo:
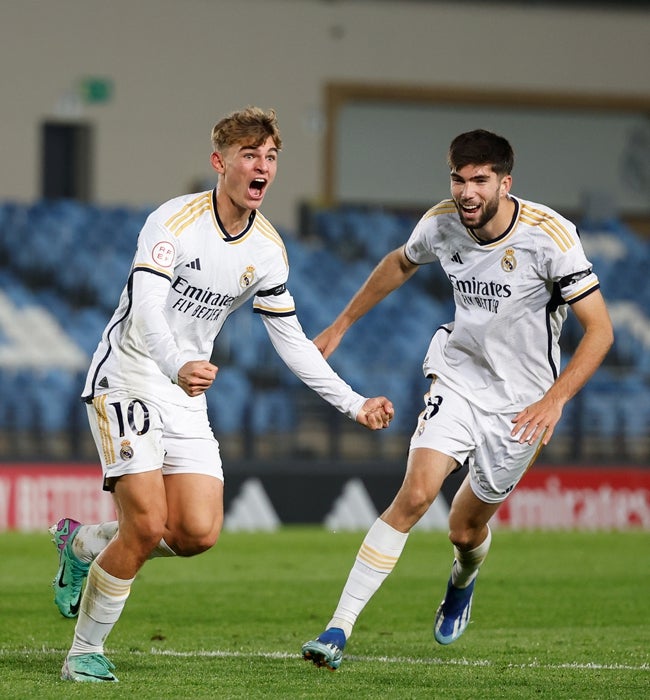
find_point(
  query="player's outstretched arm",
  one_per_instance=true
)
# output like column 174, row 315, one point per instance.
column 392, row 271
column 376, row 413
column 328, row 340
column 305, row 360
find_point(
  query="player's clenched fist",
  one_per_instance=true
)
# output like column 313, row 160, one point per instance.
column 376, row 413
column 196, row 376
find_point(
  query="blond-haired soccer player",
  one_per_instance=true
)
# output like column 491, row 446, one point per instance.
column 497, row 391
column 199, row 257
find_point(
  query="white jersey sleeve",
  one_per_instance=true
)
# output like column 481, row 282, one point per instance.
column 157, row 255
column 305, row 360
column 419, row 249
column 149, row 297
column 562, row 257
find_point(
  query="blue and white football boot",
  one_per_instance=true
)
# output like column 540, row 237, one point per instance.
column 326, row 650
column 452, row 616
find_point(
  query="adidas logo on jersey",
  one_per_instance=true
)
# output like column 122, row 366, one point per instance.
column 195, row 264
column 457, row 259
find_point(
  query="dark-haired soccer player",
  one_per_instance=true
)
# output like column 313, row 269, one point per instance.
column 497, row 391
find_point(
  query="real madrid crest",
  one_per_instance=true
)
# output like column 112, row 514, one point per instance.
column 508, row 261
column 126, row 451
column 247, row 277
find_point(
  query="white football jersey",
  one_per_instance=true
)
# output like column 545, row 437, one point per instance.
column 511, row 294
column 187, row 276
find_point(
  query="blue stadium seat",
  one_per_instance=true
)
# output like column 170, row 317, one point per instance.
column 228, row 400
column 272, row 411
column 17, row 410
column 53, row 392
column 80, row 278
column 600, row 414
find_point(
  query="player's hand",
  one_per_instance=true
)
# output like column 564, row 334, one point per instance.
column 539, row 418
column 196, row 376
column 328, row 340
column 376, row 413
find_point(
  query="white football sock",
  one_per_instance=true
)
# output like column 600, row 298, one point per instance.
column 162, row 550
column 466, row 564
column 376, row 558
column 90, row 540
column 101, row 606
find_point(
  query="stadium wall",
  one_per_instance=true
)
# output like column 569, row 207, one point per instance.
column 172, row 68
column 34, row 495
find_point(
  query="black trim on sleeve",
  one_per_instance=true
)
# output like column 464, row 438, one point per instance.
column 574, row 277
column 278, row 314
column 409, row 259
column 275, row 292
column 583, row 295
column 152, row 271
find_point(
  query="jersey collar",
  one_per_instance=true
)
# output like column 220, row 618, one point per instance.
column 222, row 231
column 506, row 233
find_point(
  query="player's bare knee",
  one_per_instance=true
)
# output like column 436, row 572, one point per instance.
column 466, row 538
column 142, row 535
column 415, row 502
column 461, row 537
column 190, row 544
column 202, row 544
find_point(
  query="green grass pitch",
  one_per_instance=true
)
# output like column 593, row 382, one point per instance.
column 556, row 615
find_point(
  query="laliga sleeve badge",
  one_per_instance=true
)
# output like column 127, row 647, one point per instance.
column 126, row 451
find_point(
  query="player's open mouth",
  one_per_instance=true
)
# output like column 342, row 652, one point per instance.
column 470, row 209
column 257, row 187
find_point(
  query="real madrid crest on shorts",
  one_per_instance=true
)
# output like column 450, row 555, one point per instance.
column 508, row 261
column 247, row 277
column 126, row 451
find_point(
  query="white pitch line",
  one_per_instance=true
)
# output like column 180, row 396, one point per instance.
column 407, row 660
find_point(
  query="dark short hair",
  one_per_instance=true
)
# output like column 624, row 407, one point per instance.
column 481, row 147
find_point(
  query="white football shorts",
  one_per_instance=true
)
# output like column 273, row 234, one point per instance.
column 456, row 427
column 135, row 435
